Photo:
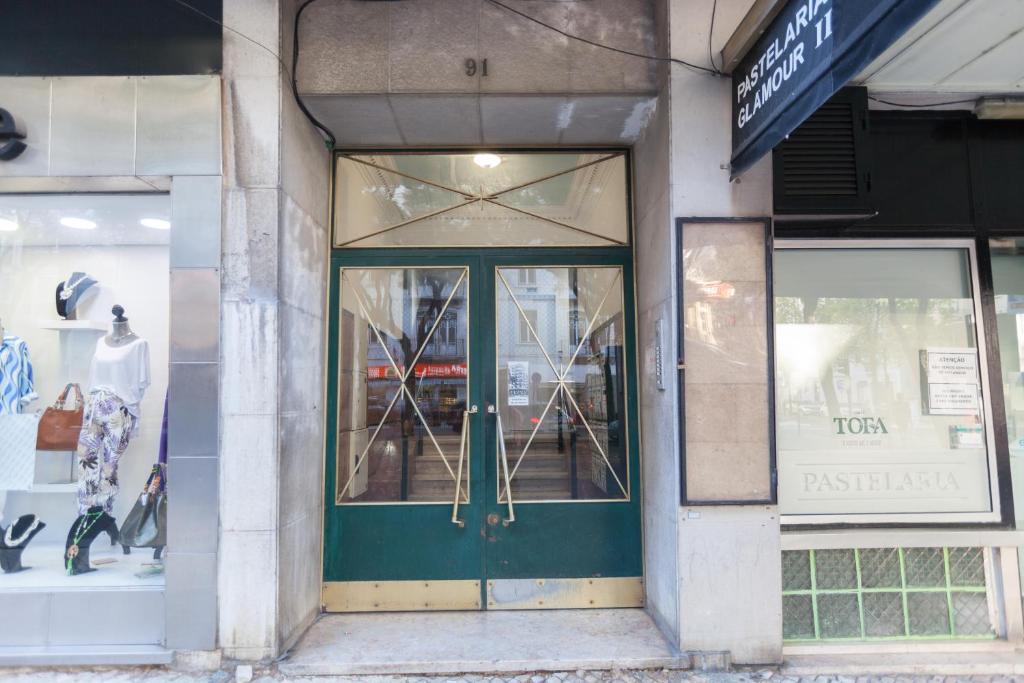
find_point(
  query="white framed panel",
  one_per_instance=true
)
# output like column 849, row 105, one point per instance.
column 961, row 491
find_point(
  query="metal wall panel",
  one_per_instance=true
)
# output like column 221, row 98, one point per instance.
column 92, row 126
column 192, row 609
column 195, row 221
column 193, row 410
column 192, row 509
column 195, row 315
column 107, row 617
column 30, row 628
column 178, row 126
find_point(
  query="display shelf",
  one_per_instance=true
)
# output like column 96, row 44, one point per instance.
column 44, row 564
column 69, row 487
column 90, row 325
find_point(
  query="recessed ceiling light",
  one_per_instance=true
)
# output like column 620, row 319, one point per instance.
column 486, row 160
column 7, row 225
column 77, row 223
column 156, row 223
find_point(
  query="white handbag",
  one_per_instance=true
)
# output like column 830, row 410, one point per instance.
column 18, row 451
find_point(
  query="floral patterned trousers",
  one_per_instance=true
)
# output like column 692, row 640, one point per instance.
column 107, row 427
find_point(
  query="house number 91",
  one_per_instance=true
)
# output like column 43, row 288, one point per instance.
column 472, row 66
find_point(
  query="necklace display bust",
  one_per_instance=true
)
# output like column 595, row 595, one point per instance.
column 120, row 332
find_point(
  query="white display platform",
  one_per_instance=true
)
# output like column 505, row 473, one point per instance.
column 45, row 569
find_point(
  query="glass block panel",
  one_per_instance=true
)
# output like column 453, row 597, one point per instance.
column 839, row 615
column 925, row 567
column 966, row 567
column 970, row 614
column 883, row 615
column 835, row 569
column 880, row 568
column 796, row 570
column 928, row 614
column 797, row 617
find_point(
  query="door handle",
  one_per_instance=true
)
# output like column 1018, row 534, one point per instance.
column 473, row 410
column 504, row 466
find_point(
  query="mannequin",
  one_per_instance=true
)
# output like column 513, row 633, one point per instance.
column 118, row 378
column 120, row 332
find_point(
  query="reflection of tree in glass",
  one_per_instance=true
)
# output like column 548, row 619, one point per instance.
column 886, row 335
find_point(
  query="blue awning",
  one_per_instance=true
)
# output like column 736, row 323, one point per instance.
column 811, row 49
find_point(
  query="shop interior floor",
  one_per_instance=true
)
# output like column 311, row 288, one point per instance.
column 46, row 569
column 475, row 642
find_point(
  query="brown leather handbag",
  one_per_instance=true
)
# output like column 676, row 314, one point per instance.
column 60, row 426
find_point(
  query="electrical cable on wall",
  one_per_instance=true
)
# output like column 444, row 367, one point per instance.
column 711, row 35
column 930, row 105
column 673, row 60
column 330, row 139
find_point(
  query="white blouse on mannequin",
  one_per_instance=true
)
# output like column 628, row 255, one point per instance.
column 122, row 370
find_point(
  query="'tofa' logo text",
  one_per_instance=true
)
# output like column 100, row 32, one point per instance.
column 859, row 425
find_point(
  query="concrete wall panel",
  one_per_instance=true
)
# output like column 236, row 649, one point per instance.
column 730, row 566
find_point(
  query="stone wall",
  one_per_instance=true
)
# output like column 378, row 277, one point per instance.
column 274, row 261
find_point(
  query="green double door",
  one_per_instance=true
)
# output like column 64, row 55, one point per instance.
column 482, row 445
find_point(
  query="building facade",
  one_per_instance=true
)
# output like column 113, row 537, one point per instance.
column 433, row 306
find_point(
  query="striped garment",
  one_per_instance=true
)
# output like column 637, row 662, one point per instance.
column 17, row 387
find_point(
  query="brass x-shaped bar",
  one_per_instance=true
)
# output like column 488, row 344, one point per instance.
column 471, row 198
column 404, row 376
column 561, row 375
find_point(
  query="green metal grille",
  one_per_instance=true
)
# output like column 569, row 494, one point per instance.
column 884, row 594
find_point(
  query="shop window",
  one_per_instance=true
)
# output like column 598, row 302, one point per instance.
column 1008, row 283
column 84, row 292
column 882, row 409
column 885, row 594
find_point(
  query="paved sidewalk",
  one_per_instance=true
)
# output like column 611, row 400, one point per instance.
column 270, row 675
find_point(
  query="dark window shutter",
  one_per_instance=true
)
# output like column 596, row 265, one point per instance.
column 821, row 168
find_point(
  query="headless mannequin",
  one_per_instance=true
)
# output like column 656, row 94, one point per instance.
column 95, row 521
column 120, row 332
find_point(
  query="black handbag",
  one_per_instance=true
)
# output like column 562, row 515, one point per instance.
column 146, row 524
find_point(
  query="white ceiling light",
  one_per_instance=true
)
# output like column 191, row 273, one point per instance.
column 8, row 225
column 77, row 223
column 486, row 160
column 156, row 223
column 999, row 108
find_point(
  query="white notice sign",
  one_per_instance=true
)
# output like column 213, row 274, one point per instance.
column 953, row 399
column 518, row 383
column 952, row 366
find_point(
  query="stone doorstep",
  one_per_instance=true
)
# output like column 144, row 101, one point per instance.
column 498, row 642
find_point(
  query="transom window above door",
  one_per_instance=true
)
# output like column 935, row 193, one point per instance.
column 481, row 199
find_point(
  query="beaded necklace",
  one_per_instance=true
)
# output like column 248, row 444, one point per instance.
column 79, row 535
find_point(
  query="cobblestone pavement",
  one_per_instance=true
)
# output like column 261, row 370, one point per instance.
column 269, row 675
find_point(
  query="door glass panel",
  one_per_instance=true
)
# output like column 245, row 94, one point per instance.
column 561, row 382
column 432, row 200
column 403, row 384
